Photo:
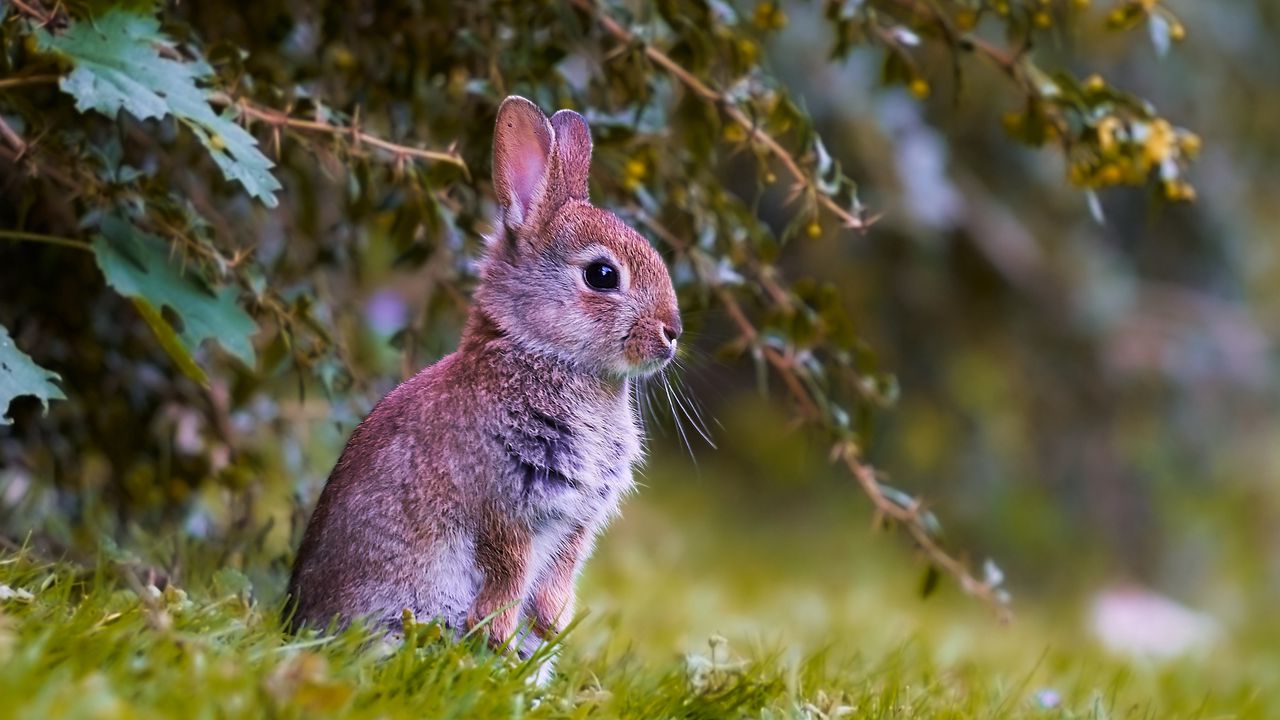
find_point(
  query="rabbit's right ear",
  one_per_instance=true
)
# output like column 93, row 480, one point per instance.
column 522, row 144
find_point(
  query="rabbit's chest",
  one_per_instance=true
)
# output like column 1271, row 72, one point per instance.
column 568, row 472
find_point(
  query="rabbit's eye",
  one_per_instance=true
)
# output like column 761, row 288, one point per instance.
column 601, row 276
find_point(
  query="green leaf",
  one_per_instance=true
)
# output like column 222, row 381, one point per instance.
column 138, row 265
column 19, row 375
column 118, row 66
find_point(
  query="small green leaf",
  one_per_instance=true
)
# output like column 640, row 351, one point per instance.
column 118, row 66
column 19, row 375
column 138, row 265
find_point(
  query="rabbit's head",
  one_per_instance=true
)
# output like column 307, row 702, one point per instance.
column 562, row 277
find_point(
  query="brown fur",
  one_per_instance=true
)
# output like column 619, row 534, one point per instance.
column 478, row 485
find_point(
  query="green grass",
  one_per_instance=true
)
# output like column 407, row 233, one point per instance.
column 693, row 609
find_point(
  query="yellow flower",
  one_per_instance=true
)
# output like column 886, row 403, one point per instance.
column 1159, row 143
column 770, row 17
column 636, row 168
column 813, row 230
column 919, row 87
column 1189, row 144
column 1107, row 127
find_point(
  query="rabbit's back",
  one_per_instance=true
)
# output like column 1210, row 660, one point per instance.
column 389, row 530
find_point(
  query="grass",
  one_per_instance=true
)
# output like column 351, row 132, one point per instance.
column 695, row 609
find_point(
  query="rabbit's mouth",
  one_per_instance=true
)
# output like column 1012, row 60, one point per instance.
column 645, row 368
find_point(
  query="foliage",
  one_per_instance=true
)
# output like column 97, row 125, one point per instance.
column 20, row 376
column 680, row 99
column 117, row 66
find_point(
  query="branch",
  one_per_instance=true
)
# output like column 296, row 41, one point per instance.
column 13, row 138
column 11, row 82
column 278, row 119
column 1006, row 60
column 713, row 96
column 37, row 14
column 910, row 517
column 20, row 236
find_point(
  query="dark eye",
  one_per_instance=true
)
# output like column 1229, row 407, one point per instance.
column 601, row 276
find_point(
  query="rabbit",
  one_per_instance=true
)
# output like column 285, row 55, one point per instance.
column 475, row 490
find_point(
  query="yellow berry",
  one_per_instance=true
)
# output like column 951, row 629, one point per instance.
column 1042, row 19
column 734, row 133
column 770, row 178
column 343, row 58
column 636, row 168
column 919, row 87
column 769, row 17
column 1106, row 130
column 1189, row 143
column 813, row 230
column 1094, row 84
column 1110, row 175
column 1177, row 31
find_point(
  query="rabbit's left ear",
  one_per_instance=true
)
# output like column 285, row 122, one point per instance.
column 522, row 144
column 572, row 154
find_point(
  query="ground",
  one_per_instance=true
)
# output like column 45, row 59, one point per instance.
column 692, row 608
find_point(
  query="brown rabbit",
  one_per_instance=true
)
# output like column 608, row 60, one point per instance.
column 477, row 487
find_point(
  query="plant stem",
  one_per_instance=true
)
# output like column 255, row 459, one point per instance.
column 11, row 82
column 21, row 236
column 802, row 178
column 279, row 119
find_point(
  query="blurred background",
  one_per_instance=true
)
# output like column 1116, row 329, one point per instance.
column 1087, row 392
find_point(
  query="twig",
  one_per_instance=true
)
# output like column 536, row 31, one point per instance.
column 1007, row 60
column 706, row 92
column 20, row 236
column 12, row 137
column 278, row 119
column 846, row 451
column 36, row 13
column 16, row 155
column 12, row 82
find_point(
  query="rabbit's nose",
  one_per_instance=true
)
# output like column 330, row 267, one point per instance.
column 672, row 331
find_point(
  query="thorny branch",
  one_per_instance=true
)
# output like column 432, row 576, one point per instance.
column 706, row 92
column 846, row 451
column 278, row 119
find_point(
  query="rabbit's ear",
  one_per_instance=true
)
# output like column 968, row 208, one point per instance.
column 522, row 144
column 573, row 153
